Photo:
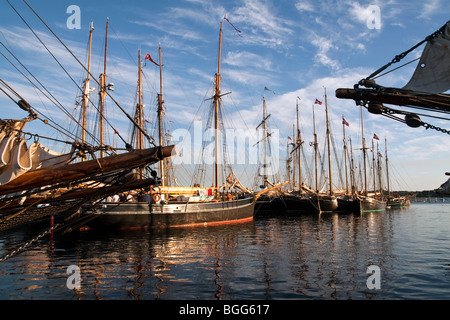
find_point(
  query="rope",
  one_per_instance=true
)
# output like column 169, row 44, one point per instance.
column 93, row 77
column 399, row 57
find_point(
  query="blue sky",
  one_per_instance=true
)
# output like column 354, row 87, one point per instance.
column 294, row 47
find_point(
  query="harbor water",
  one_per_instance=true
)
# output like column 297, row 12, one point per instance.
column 398, row 254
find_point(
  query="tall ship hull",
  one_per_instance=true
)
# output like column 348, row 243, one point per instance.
column 398, row 202
column 368, row 204
column 348, row 204
column 296, row 204
column 129, row 215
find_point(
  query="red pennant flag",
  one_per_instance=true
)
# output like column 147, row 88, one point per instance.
column 238, row 31
column 147, row 57
column 318, row 102
column 375, row 137
column 345, row 122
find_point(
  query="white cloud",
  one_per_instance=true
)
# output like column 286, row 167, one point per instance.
column 359, row 12
column 429, row 8
column 324, row 45
column 304, row 5
column 263, row 25
column 248, row 60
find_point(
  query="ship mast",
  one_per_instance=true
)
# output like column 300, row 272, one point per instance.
column 139, row 115
column 102, row 93
column 86, row 85
column 374, row 169
column 216, row 114
column 345, row 157
column 294, row 158
column 328, row 144
column 364, row 152
column 315, row 151
column 139, row 141
column 299, row 143
column 387, row 167
column 160, row 114
column 265, row 141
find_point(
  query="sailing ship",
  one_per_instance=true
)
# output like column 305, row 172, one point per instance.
column 271, row 199
column 348, row 201
column 322, row 202
column 368, row 202
column 36, row 182
column 304, row 199
column 424, row 91
column 393, row 201
column 166, row 206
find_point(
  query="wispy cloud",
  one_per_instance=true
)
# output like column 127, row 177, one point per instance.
column 262, row 25
column 304, row 5
column 248, row 60
column 324, row 46
column 429, row 8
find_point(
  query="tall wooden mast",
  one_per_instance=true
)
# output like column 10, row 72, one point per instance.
column 265, row 142
column 216, row 113
column 315, row 151
column 374, row 168
column 139, row 113
column 364, row 152
column 328, row 145
column 86, row 84
column 102, row 93
column 294, row 158
column 345, row 157
column 160, row 115
column 299, row 144
column 387, row 168
column 140, row 139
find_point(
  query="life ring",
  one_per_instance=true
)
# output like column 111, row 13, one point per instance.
column 156, row 197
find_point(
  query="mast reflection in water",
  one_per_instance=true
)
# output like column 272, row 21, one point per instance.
column 305, row 257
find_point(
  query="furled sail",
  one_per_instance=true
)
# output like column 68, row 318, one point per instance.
column 432, row 74
column 16, row 158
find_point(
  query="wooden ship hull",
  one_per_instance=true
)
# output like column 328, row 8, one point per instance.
column 295, row 204
column 134, row 215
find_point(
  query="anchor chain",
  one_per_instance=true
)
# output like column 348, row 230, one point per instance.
column 28, row 243
column 430, row 126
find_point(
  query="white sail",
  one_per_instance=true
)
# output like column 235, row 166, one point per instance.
column 43, row 157
column 432, row 74
column 19, row 161
column 16, row 158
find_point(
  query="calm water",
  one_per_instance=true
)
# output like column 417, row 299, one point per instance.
column 305, row 257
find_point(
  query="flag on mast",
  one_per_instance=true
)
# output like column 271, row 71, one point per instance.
column 237, row 30
column 345, row 122
column 148, row 57
column 265, row 88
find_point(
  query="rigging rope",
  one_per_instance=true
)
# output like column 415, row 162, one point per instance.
column 399, row 57
column 83, row 66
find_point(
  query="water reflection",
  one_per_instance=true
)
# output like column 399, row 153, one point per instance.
column 305, row 257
